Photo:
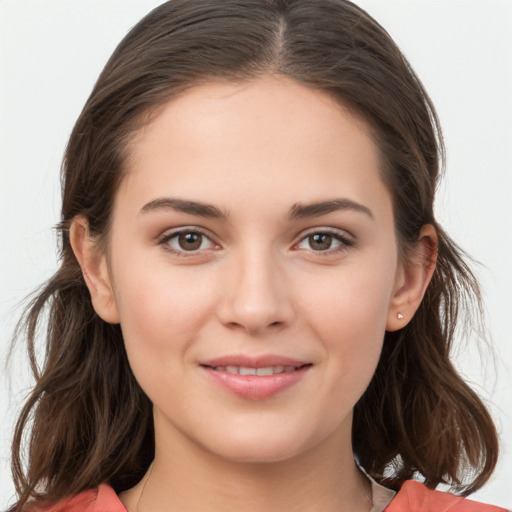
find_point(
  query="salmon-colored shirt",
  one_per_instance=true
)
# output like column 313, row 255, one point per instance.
column 412, row 497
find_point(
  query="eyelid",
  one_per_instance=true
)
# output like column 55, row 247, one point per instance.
column 328, row 230
column 168, row 235
column 347, row 240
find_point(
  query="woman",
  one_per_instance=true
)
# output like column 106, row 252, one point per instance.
column 254, row 290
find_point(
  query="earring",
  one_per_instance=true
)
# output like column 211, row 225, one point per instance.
column 400, row 316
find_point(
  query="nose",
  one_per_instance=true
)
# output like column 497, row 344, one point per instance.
column 254, row 296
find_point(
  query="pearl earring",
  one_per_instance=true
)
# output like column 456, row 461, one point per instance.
column 400, row 316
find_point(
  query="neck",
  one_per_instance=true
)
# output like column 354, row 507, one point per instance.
column 192, row 479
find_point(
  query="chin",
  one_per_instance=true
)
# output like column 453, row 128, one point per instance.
column 260, row 447
column 257, row 454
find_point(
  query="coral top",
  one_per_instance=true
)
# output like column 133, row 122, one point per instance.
column 415, row 497
column 412, row 497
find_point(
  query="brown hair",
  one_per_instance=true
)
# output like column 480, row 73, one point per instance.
column 92, row 423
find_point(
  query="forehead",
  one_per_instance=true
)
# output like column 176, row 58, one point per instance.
column 272, row 136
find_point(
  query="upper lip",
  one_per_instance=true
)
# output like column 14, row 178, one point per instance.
column 247, row 361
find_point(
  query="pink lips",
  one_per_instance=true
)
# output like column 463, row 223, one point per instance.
column 273, row 374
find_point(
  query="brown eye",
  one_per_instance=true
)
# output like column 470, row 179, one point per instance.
column 190, row 241
column 325, row 241
column 187, row 241
column 320, row 241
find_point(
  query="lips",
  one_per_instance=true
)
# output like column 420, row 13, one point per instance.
column 246, row 370
column 255, row 378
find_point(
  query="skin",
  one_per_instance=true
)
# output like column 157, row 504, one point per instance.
column 256, row 285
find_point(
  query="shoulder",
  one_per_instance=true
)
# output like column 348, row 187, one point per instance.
column 416, row 497
column 101, row 499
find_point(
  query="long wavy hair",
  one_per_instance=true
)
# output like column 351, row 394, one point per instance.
column 87, row 421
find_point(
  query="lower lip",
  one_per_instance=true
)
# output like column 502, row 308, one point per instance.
column 256, row 387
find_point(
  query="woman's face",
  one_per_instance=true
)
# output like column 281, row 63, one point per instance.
column 253, row 264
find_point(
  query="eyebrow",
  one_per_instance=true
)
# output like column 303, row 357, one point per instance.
column 184, row 206
column 297, row 211
column 316, row 209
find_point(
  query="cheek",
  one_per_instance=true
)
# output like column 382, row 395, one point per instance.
column 162, row 314
column 160, row 311
column 349, row 317
column 352, row 305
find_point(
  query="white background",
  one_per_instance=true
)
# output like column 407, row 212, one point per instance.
column 51, row 52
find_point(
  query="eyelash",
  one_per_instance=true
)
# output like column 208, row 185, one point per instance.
column 345, row 242
column 166, row 238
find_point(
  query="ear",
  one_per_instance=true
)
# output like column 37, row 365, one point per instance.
column 413, row 277
column 93, row 262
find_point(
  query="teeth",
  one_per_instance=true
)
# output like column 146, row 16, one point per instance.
column 265, row 371
column 247, row 371
column 242, row 370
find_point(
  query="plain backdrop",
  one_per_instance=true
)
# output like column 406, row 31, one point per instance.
column 51, row 52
